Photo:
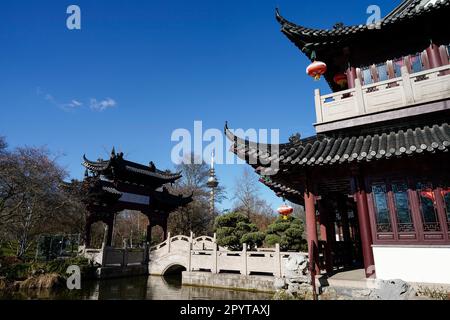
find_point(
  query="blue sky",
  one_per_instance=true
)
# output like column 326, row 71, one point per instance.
column 137, row 70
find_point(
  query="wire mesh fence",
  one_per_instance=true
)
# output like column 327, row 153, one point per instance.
column 50, row 247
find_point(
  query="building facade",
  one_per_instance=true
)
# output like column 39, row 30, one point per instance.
column 375, row 179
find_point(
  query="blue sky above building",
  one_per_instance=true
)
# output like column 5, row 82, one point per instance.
column 137, row 70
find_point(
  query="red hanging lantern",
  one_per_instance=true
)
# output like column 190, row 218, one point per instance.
column 316, row 69
column 340, row 79
column 427, row 194
column 285, row 211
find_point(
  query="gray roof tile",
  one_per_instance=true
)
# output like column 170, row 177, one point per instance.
column 329, row 150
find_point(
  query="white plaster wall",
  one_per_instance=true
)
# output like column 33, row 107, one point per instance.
column 413, row 263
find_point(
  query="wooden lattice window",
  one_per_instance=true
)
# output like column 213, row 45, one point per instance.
column 446, row 197
column 402, row 207
column 428, row 210
column 382, row 215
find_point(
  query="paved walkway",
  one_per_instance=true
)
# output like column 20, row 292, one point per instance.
column 350, row 279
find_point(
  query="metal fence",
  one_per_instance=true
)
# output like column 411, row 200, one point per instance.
column 50, row 247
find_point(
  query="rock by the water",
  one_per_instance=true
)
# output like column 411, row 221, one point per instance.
column 279, row 283
column 362, row 294
column 296, row 265
column 283, row 295
column 303, row 291
column 298, row 278
column 392, row 290
column 329, row 293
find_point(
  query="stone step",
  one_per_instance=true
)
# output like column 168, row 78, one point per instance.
column 351, row 283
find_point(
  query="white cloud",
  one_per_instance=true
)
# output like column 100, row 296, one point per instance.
column 102, row 104
column 66, row 106
column 94, row 104
column 77, row 103
column 71, row 105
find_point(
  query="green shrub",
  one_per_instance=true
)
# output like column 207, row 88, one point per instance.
column 253, row 239
column 288, row 233
column 230, row 229
column 272, row 239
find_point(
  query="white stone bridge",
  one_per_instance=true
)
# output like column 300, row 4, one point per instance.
column 203, row 254
column 187, row 253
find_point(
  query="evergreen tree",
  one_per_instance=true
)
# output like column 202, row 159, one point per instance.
column 234, row 229
column 288, row 233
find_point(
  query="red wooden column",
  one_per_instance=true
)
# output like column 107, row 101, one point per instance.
column 434, row 56
column 311, row 227
column 364, row 225
column 351, row 76
column 326, row 234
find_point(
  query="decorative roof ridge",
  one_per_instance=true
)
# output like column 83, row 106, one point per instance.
column 400, row 8
column 404, row 11
column 98, row 165
column 336, row 150
column 294, row 140
column 151, row 170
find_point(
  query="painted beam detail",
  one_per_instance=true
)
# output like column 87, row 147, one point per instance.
column 134, row 198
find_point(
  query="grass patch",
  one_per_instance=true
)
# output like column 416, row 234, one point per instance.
column 15, row 269
column 434, row 293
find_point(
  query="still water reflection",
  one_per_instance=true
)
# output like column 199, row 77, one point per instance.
column 140, row 288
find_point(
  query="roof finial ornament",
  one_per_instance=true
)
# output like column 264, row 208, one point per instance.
column 113, row 152
column 152, row 166
column 278, row 16
column 295, row 138
column 338, row 25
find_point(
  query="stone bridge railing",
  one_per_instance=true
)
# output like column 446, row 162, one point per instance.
column 193, row 254
column 203, row 254
column 115, row 257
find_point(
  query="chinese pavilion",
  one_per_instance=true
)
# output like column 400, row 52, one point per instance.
column 117, row 184
column 375, row 179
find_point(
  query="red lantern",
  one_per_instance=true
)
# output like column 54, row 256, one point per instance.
column 340, row 79
column 285, row 211
column 427, row 194
column 316, row 69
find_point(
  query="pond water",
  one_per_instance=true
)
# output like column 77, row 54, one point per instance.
column 138, row 288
